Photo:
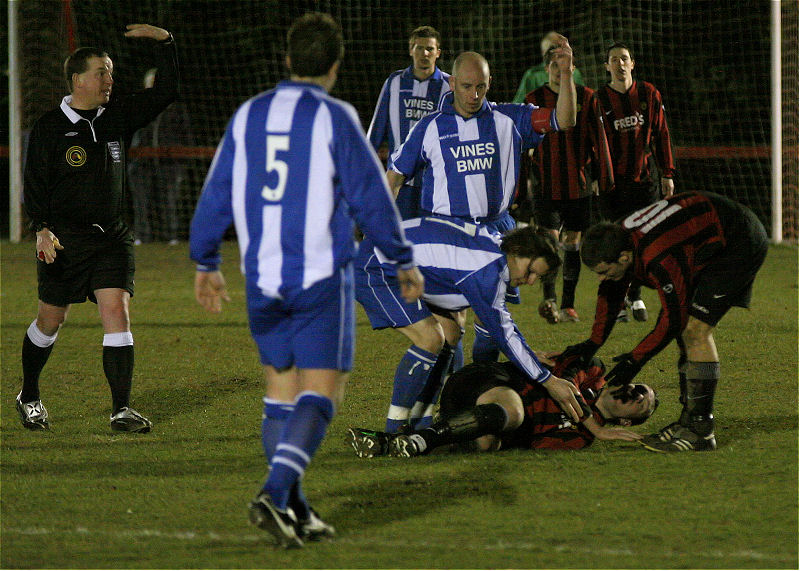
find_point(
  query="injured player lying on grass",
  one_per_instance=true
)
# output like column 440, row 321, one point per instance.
column 494, row 406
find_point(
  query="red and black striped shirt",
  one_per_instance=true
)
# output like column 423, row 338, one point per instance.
column 546, row 426
column 636, row 128
column 673, row 241
column 559, row 162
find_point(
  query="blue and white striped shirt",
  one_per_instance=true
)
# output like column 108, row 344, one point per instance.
column 403, row 101
column 471, row 166
column 291, row 172
column 464, row 267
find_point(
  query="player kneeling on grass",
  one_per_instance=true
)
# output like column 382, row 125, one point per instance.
column 495, row 406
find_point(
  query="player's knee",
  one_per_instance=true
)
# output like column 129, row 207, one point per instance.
column 49, row 321
column 427, row 336
column 511, row 402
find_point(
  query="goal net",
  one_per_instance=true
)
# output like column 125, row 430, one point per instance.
column 710, row 60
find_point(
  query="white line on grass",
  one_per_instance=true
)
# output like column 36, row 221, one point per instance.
column 495, row 546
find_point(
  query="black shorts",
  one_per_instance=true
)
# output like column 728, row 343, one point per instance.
column 728, row 280
column 462, row 389
column 627, row 198
column 89, row 261
column 574, row 215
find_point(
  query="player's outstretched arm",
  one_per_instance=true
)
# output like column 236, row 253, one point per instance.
column 146, row 31
column 210, row 290
column 610, row 433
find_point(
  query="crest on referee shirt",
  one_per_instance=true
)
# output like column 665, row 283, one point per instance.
column 76, row 156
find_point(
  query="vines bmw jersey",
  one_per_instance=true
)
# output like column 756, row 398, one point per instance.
column 463, row 267
column 403, row 101
column 75, row 164
column 470, row 166
column 291, row 172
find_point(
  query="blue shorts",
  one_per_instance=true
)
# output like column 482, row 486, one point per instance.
column 379, row 293
column 310, row 329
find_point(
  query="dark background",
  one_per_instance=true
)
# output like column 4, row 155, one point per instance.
column 710, row 60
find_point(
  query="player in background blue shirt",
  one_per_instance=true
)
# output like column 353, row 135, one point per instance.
column 407, row 96
column 292, row 169
column 469, row 154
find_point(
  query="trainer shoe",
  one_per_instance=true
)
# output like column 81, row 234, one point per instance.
column 313, row 528
column 549, row 311
column 663, row 435
column 280, row 523
column 639, row 310
column 568, row 314
column 368, row 443
column 403, row 446
column 683, row 440
column 128, row 420
column 622, row 316
column 32, row 414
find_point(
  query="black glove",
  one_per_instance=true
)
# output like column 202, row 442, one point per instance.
column 577, row 356
column 624, row 370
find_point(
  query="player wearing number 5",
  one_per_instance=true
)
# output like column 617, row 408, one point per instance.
column 701, row 253
column 292, row 171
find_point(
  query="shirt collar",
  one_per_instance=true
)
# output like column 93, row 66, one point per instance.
column 409, row 72
column 301, row 84
column 73, row 115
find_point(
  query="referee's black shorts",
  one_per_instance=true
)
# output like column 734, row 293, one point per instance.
column 88, row 262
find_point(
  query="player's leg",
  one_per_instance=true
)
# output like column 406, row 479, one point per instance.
column 422, row 411
column 315, row 331
column 696, row 430
column 118, row 358
column 36, row 348
column 111, row 286
column 547, row 214
column 379, row 294
column 572, row 270
column 495, row 411
column 577, row 216
column 428, row 340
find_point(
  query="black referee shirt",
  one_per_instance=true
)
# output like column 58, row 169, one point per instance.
column 75, row 167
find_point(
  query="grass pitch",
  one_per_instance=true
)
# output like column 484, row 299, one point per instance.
column 80, row 496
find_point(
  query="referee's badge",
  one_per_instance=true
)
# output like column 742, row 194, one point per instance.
column 76, row 156
column 114, row 149
column 643, row 105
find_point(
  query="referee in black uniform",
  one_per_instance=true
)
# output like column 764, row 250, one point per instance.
column 75, row 198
